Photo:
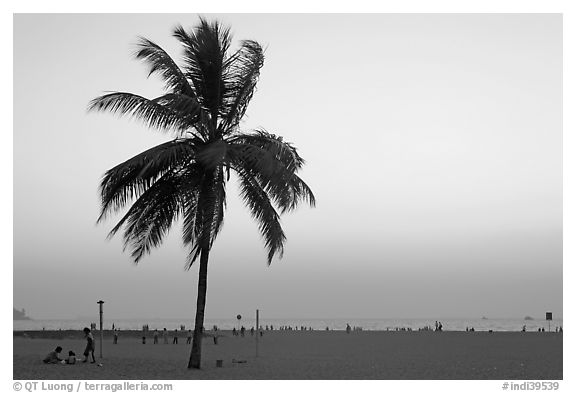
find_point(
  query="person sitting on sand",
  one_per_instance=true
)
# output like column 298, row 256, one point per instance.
column 89, row 346
column 52, row 357
column 71, row 358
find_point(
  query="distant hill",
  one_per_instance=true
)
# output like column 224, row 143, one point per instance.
column 20, row 315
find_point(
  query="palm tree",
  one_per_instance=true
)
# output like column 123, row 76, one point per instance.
column 186, row 177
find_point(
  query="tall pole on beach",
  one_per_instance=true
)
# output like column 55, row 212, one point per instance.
column 257, row 329
column 101, row 302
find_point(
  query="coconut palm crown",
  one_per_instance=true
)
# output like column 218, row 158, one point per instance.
column 185, row 178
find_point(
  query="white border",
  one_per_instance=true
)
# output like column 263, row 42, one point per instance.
column 306, row 6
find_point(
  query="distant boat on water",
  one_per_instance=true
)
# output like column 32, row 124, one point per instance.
column 484, row 318
column 20, row 315
column 528, row 318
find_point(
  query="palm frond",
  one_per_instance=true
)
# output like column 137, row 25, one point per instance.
column 264, row 213
column 301, row 192
column 153, row 113
column 133, row 177
column 187, row 108
column 151, row 216
column 161, row 63
column 220, row 204
column 283, row 151
column 192, row 229
column 180, row 103
column 204, row 52
column 242, row 72
column 274, row 164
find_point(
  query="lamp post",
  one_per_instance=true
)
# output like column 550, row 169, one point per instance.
column 100, row 303
column 257, row 329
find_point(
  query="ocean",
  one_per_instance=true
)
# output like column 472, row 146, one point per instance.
column 316, row 324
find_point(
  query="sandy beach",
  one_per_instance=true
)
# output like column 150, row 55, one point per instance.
column 376, row 355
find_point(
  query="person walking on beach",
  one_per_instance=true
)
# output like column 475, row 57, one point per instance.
column 155, row 335
column 90, row 346
column 165, row 336
column 189, row 336
column 175, row 339
column 115, row 336
column 348, row 328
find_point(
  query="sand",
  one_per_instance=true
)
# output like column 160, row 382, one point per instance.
column 305, row 355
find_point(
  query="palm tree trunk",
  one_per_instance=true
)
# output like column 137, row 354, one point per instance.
column 196, row 353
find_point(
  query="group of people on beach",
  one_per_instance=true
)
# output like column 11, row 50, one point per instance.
column 165, row 336
column 54, row 356
column 242, row 331
column 541, row 330
column 288, row 327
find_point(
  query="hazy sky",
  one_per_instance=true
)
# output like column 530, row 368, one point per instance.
column 433, row 145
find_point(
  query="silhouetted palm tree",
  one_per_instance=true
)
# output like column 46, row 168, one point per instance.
column 186, row 177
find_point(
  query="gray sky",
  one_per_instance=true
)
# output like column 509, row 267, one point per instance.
column 433, row 145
